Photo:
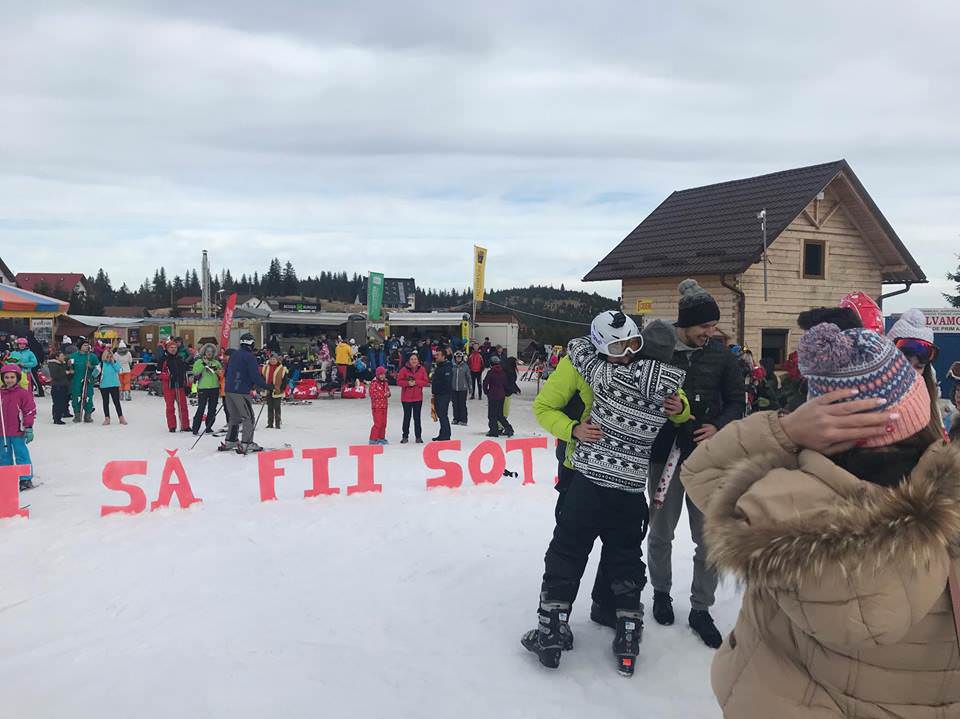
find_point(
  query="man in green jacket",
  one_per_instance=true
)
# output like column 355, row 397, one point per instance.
column 563, row 409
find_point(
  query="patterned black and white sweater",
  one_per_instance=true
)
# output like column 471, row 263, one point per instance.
column 628, row 406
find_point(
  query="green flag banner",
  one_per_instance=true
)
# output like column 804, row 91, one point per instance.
column 375, row 296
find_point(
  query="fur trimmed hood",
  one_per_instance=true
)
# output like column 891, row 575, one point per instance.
column 861, row 528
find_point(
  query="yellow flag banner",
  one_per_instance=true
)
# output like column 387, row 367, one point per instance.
column 479, row 268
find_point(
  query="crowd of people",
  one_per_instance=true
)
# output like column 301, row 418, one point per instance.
column 835, row 502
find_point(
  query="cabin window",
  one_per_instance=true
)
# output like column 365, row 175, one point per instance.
column 773, row 345
column 814, row 259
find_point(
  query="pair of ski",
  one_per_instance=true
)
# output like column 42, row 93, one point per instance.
column 243, row 452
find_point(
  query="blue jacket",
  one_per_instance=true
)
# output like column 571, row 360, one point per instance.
column 110, row 375
column 243, row 374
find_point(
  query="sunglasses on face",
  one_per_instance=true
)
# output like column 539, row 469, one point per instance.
column 924, row 351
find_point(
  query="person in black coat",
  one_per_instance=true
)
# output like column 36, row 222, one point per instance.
column 442, row 389
column 173, row 377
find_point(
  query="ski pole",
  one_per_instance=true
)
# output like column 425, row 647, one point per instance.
column 204, row 430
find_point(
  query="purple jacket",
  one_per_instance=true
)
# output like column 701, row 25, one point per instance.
column 495, row 383
column 17, row 407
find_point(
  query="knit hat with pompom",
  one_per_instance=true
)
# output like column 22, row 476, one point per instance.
column 912, row 325
column 697, row 306
column 833, row 359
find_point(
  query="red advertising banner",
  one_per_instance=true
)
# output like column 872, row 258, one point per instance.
column 227, row 321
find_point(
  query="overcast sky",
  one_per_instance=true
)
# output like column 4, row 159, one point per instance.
column 394, row 135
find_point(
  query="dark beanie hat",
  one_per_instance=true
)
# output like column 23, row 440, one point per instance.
column 659, row 341
column 697, row 306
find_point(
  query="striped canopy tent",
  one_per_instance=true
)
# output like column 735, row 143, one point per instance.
column 16, row 302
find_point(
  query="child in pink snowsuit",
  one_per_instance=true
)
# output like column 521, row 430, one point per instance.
column 18, row 410
column 379, row 396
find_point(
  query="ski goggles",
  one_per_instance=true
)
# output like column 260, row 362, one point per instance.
column 925, row 352
column 622, row 348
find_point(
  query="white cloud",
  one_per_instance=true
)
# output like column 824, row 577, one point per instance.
column 395, row 135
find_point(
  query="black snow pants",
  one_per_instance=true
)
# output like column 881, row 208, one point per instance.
column 620, row 520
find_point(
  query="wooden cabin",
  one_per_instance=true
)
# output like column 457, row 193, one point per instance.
column 825, row 237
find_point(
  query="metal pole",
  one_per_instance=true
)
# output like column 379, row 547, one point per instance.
column 205, row 286
column 763, row 224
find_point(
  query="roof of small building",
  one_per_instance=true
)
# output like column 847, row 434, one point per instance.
column 53, row 281
column 715, row 229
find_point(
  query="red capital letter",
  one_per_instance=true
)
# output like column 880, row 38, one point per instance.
column 499, row 463
column 10, row 490
column 113, row 474
column 365, row 454
column 181, row 488
column 269, row 471
column 526, row 446
column 452, row 471
column 321, row 471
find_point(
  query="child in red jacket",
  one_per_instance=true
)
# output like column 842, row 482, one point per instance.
column 379, row 396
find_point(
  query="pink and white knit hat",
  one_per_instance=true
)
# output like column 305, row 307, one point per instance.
column 833, row 359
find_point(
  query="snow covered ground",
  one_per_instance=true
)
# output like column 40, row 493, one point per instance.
column 408, row 603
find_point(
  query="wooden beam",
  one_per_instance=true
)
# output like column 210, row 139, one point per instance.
column 810, row 218
column 830, row 214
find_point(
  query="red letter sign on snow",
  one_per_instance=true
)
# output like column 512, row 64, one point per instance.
column 365, row 454
column 526, row 446
column 10, row 490
column 113, row 474
column 321, row 457
column 182, row 489
column 269, row 471
column 476, row 457
column 452, row 476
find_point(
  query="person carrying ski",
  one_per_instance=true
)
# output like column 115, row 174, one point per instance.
column 241, row 376
column 85, row 365
column 17, row 412
column 173, row 377
column 125, row 358
column 635, row 391
column 60, row 373
column 207, row 370
column 379, row 396
column 276, row 376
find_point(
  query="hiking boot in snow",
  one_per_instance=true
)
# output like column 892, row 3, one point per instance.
column 404, row 440
column 88, row 417
column 702, row 623
column 26, row 484
column 604, row 616
column 419, row 440
column 626, row 644
column 552, row 635
column 663, row 608
column 77, row 418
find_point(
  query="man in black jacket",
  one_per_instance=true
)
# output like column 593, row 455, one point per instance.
column 442, row 389
column 715, row 388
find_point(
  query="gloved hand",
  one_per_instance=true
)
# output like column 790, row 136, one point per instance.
column 28, row 435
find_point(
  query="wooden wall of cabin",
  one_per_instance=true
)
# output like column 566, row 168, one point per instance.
column 663, row 293
column 850, row 265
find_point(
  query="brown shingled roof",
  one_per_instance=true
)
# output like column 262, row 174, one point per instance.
column 714, row 229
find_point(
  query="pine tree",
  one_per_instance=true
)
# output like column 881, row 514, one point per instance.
column 289, row 279
column 122, row 297
column 954, row 300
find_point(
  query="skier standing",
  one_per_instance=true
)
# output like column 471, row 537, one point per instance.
column 379, row 396
column 242, row 375
column 207, row 370
column 125, row 358
column 173, row 376
column 60, row 373
column 84, row 364
column 17, row 412
column 633, row 398
column 462, row 382
column 276, row 376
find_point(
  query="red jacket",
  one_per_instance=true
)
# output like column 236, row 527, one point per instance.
column 475, row 361
column 412, row 393
column 379, row 392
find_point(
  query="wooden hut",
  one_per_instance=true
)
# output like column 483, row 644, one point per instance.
column 825, row 237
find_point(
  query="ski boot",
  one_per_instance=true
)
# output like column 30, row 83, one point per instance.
column 553, row 635
column 77, row 418
column 26, row 484
column 626, row 644
column 249, row 448
column 228, row 446
column 88, row 417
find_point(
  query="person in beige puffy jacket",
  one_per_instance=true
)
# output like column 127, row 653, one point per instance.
column 842, row 521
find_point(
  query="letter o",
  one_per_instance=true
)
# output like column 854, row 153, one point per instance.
column 487, row 447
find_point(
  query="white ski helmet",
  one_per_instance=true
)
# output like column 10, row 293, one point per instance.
column 612, row 332
column 247, row 339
